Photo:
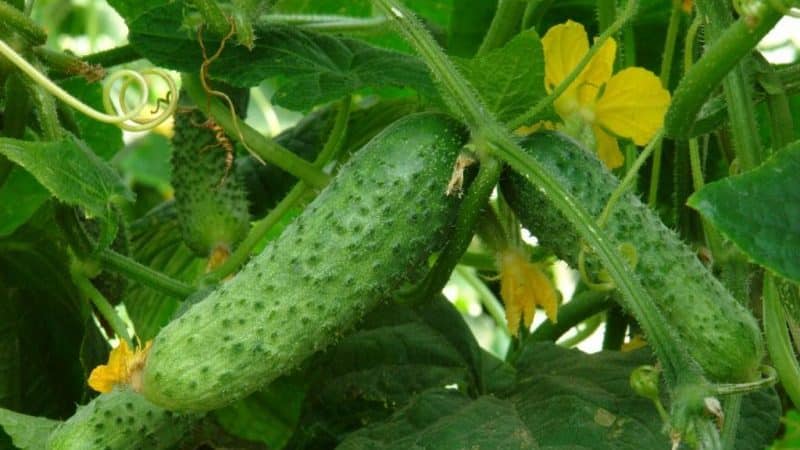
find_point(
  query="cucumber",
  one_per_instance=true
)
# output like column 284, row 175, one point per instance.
column 210, row 198
column 367, row 234
column 720, row 334
column 120, row 420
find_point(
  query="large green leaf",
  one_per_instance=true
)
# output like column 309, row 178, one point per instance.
column 20, row 197
column 760, row 211
column 314, row 68
column 27, row 432
column 103, row 138
column 396, row 353
column 511, row 78
column 71, row 172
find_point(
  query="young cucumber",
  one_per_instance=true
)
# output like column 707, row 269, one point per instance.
column 369, row 232
column 120, row 420
column 209, row 196
column 719, row 333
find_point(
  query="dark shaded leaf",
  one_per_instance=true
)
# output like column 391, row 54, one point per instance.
column 20, row 197
column 27, row 432
column 104, row 139
column 760, row 211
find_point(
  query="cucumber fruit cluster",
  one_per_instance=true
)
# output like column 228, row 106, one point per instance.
column 120, row 420
column 367, row 234
column 209, row 196
column 721, row 335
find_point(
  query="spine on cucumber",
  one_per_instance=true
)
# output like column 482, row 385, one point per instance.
column 209, row 196
column 369, row 232
column 721, row 335
column 120, row 420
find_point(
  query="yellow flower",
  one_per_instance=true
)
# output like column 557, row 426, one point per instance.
column 124, row 367
column 523, row 286
column 630, row 104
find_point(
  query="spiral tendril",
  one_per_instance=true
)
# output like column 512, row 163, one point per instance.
column 120, row 113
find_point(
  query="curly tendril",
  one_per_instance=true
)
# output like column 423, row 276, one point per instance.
column 120, row 113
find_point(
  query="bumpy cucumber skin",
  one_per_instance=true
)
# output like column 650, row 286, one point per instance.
column 369, row 232
column 212, row 204
column 719, row 333
column 120, row 420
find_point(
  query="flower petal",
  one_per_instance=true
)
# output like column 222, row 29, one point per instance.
column 607, row 148
column 523, row 287
column 633, row 105
column 104, row 377
column 564, row 46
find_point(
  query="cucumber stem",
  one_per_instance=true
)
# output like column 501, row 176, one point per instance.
column 733, row 44
column 113, row 57
column 136, row 271
column 616, row 328
column 590, row 325
column 534, row 114
column 105, row 309
column 582, row 306
column 668, row 346
column 779, row 342
column 534, row 12
column 732, row 409
column 505, row 24
column 263, row 148
column 326, row 23
column 15, row 20
column 489, row 301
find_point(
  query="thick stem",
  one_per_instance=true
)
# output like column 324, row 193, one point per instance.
column 779, row 342
column 15, row 20
column 121, row 264
column 506, row 23
column 583, row 306
column 778, row 107
column 733, row 44
column 113, row 57
column 616, row 328
column 263, row 148
column 534, row 12
column 69, row 65
column 732, row 410
column 14, row 124
column 333, row 146
column 102, row 305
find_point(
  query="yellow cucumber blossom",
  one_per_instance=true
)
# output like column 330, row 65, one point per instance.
column 124, row 367
column 523, row 286
column 630, row 104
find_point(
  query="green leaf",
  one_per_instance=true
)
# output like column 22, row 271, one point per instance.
column 791, row 437
column 131, row 9
column 103, row 138
column 20, row 197
column 396, row 353
column 268, row 416
column 27, row 432
column 146, row 161
column 468, row 24
column 511, row 78
column 314, row 68
column 760, row 211
column 447, row 420
column 759, row 419
column 71, row 172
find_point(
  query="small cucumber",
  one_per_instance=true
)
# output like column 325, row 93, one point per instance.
column 720, row 334
column 209, row 196
column 120, row 420
column 367, row 234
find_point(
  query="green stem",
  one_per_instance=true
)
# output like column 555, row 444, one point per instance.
column 677, row 364
column 616, row 328
column 505, row 24
column 326, row 23
column 14, row 124
column 590, row 325
column 489, row 301
column 333, row 146
column 15, row 20
column 213, row 16
column 778, row 107
column 583, row 306
column 666, row 72
column 606, row 13
column 105, row 309
column 116, row 262
column 732, row 409
column 45, row 106
column 779, row 342
column 534, row 12
column 534, row 114
column 69, row 65
column 113, row 57
column 736, row 42
column 472, row 205
column 263, row 148
column 257, row 233
column 479, row 261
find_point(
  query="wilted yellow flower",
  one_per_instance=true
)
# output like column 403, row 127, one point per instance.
column 123, row 367
column 523, row 286
column 630, row 104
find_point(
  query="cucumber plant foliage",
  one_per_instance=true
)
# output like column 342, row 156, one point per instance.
column 265, row 262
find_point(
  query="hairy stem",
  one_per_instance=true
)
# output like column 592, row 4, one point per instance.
column 138, row 272
column 506, row 23
column 15, row 20
column 105, row 309
column 779, row 342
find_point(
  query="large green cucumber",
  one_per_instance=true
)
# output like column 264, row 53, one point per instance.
column 120, row 420
column 720, row 334
column 210, row 198
column 369, row 232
